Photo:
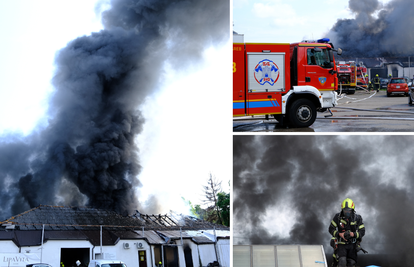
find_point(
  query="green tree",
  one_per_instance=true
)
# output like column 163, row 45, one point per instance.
column 218, row 204
column 211, row 191
column 224, row 207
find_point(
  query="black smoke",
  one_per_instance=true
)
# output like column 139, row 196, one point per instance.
column 378, row 30
column 100, row 82
column 288, row 188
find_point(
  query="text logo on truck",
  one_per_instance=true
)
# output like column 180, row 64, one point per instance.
column 266, row 71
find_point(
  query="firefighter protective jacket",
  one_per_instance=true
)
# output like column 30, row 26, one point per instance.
column 340, row 224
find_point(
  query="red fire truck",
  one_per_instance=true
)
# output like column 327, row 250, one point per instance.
column 362, row 76
column 289, row 81
column 351, row 76
column 347, row 76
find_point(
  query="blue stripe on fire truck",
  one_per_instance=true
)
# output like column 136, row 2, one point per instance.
column 263, row 104
column 238, row 105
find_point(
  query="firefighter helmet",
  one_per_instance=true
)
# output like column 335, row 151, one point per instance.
column 348, row 207
column 348, row 203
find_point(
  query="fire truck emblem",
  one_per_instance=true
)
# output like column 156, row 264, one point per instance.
column 322, row 80
column 266, row 71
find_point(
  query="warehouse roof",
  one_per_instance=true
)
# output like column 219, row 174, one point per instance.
column 82, row 223
column 85, row 218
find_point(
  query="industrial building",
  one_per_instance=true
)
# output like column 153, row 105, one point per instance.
column 60, row 236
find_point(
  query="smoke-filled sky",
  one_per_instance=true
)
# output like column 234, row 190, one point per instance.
column 288, row 188
column 377, row 29
column 360, row 27
column 108, row 103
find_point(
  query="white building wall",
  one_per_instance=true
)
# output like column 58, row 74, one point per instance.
column 400, row 69
column 51, row 250
column 223, row 249
column 15, row 259
column 409, row 72
column 181, row 257
column 130, row 255
column 207, row 254
column 194, row 253
column 7, row 246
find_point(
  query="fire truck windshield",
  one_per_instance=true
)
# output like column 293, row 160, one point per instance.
column 319, row 57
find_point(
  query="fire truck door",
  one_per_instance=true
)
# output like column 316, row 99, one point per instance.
column 239, row 92
column 266, row 82
column 319, row 70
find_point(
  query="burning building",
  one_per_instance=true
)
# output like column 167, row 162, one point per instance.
column 63, row 235
column 87, row 153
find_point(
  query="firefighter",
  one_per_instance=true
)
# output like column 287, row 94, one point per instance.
column 347, row 230
column 370, row 86
column 377, row 82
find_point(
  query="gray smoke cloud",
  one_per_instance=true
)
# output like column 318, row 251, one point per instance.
column 377, row 30
column 288, row 188
column 87, row 149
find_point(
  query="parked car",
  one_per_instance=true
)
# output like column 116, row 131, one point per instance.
column 397, row 86
column 384, row 83
column 106, row 263
column 38, row 265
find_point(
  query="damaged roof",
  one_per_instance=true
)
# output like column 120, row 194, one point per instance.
column 85, row 218
column 82, row 223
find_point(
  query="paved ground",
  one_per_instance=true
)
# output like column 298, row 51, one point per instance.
column 362, row 112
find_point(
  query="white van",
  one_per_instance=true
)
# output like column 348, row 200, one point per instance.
column 38, row 265
column 106, row 263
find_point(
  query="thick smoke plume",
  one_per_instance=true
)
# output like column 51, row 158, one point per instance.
column 288, row 188
column 377, row 31
column 88, row 146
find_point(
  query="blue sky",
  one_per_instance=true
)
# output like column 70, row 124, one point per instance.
column 187, row 134
column 287, row 21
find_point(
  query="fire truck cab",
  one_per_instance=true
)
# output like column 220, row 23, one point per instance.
column 289, row 81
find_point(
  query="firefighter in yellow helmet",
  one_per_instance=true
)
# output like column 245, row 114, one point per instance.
column 377, row 82
column 347, row 230
column 370, row 86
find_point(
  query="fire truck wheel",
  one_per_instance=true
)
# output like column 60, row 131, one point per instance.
column 302, row 113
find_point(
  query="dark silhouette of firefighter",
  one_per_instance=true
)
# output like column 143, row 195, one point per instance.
column 347, row 230
column 377, row 82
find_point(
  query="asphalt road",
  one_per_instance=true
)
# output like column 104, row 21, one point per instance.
column 362, row 112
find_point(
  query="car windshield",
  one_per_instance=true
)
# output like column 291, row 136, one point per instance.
column 397, row 81
column 113, row 265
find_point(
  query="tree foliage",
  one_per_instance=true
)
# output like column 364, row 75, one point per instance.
column 224, row 207
column 217, row 202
